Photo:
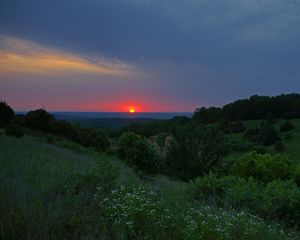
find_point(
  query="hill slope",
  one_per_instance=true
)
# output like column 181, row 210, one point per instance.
column 49, row 192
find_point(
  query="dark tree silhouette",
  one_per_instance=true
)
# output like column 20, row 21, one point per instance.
column 7, row 114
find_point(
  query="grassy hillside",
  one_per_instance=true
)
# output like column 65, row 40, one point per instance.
column 48, row 192
column 290, row 139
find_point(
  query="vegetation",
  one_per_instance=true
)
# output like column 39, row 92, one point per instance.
column 264, row 167
column 232, row 177
column 273, row 200
column 52, row 193
column 6, row 114
column 194, row 152
column 139, row 153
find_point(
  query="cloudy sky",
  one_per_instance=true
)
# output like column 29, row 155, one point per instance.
column 155, row 55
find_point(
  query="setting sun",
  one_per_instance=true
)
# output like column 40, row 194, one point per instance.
column 131, row 110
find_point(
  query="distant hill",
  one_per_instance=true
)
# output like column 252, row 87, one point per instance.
column 104, row 122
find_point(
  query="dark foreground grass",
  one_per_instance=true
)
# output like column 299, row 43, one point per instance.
column 49, row 192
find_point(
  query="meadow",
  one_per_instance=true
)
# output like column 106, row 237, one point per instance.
column 49, row 192
column 210, row 177
column 291, row 140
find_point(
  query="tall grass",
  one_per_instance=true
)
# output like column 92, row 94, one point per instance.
column 49, row 192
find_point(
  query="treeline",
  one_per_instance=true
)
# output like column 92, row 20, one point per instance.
column 284, row 106
column 229, row 117
column 41, row 122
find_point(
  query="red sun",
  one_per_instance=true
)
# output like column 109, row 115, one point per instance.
column 132, row 110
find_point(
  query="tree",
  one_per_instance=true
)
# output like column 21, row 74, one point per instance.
column 7, row 114
column 40, row 120
column 207, row 115
column 268, row 135
column 94, row 138
column 264, row 167
column 287, row 126
column 139, row 153
column 238, row 127
column 194, row 152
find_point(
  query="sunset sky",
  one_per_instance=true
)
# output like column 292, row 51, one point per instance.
column 153, row 55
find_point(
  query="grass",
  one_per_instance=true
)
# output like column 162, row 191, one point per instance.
column 49, row 192
column 291, row 145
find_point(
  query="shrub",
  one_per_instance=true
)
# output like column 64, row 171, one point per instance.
column 279, row 147
column 139, row 153
column 238, row 127
column 287, row 126
column 288, row 136
column 278, row 200
column 268, row 135
column 39, row 120
column 252, row 135
column 270, row 118
column 94, row 138
column 195, row 151
column 6, row 114
column 263, row 167
column 259, row 149
column 140, row 213
column 14, row 129
column 225, row 125
column 64, row 129
column 265, row 134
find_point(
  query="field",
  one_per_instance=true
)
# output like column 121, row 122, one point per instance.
column 48, row 192
column 290, row 139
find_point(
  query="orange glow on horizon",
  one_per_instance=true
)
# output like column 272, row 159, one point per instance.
column 132, row 110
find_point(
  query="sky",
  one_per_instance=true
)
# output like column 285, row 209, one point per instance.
column 153, row 55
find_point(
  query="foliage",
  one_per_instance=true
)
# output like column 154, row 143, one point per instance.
column 64, row 129
column 279, row 147
column 268, row 135
column 265, row 134
column 238, row 127
column 258, row 107
column 270, row 118
column 39, row 120
column 48, row 192
column 90, row 137
column 139, row 213
column 195, row 151
column 6, row 114
column 207, row 115
column 14, row 129
column 231, row 127
column 52, row 193
column 264, row 167
column 156, row 127
column 274, row 200
column 139, row 153
column 287, row 126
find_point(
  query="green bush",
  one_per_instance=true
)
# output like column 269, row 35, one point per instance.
column 252, row 135
column 94, row 138
column 279, row 147
column 195, row 151
column 139, row 153
column 263, row 167
column 39, row 120
column 259, row 149
column 287, row 126
column 278, row 200
column 139, row 213
column 14, row 130
column 238, row 127
column 268, row 135
column 265, row 134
